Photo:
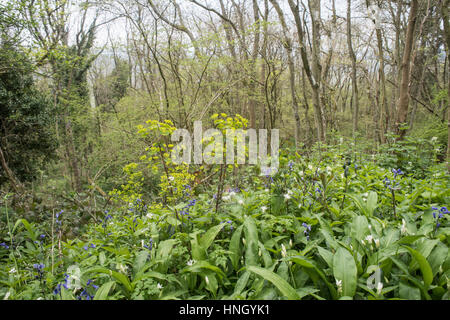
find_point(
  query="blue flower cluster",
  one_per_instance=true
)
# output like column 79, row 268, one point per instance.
column 439, row 214
column 187, row 191
column 86, row 247
column 105, row 220
column 393, row 185
column 4, row 245
column 138, row 207
column 39, row 267
column 85, row 294
column 42, row 236
column 185, row 210
column 65, row 285
column 291, row 165
column 58, row 220
column 231, row 224
column 307, row 230
column 150, row 245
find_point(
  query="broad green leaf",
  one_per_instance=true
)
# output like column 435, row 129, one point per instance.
column 27, row 226
column 241, row 283
column 326, row 255
column 251, row 237
column 103, row 291
column 281, row 284
column 359, row 228
column 371, row 203
column 235, row 247
column 409, row 239
column 210, row 235
column 424, row 266
column 407, row 292
column 345, row 270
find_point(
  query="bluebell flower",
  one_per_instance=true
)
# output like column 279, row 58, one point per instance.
column 40, row 270
column 397, row 172
column 150, row 245
column 57, row 289
column 4, row 245
column 440, row 214
column 307, row 230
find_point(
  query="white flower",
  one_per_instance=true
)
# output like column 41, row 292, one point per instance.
column 159, row 286
column 339, row 285
column 299, row 205
column 241, row 202
column 434, row 139
column 301, row 173
column 13, row 270
column 310, row 167
column 283, row 251
column 289, row 192
column 206, row 280
column 370, row 227
column 171, row 178
column 290, row 243
column 363, row 243
column 149, row 215
column 341, row 140
column 190, row 262
column 369, row 239
column 377, row 243
column 266, row 190
column 226, row 198
column 287, row 196
column 379, row 287
column 243, row 241
column 122, row 268
column 403, row 229
column 263, row 208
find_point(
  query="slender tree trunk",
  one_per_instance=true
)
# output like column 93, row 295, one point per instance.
column 288, row 46
column 354, row 80
column 262, row 121
column 314, row 74
column 445, row 17
column 403, row 101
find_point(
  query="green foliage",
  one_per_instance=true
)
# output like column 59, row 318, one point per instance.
column 26, row 129
column 294, row 236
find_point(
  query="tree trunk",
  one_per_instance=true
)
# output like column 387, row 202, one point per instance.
column 288, row 46
column 445, row 17
column 314, row 75
column 354, row 80
column 403, row 101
